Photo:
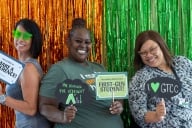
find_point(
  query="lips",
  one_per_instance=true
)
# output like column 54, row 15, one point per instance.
column 20, row 44
column 151, row 60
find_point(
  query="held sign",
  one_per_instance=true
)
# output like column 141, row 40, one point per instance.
column 10, row 68
column 111, row 85
column 163, row 87
column 72, row 92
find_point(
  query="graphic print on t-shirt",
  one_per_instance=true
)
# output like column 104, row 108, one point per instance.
column 90, row 80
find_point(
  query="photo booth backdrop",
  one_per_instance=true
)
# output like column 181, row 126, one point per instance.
column 114, row 23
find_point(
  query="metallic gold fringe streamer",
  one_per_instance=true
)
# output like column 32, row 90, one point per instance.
column 54, row 18
column 123, row 20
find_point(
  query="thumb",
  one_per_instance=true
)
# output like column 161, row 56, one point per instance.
column 162, row 101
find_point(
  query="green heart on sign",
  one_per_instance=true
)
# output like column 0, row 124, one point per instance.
column 155, row 86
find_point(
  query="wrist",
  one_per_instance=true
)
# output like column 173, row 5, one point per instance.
column 2, row 99
column 64, row 119
column 158, row 117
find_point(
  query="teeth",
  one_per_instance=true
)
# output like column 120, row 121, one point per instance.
column 82, row 51
column 20, row 45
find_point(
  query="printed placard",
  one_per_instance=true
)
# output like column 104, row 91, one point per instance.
column 162, row 87
column 72, row 92
column 111, row 85
column 10, row 68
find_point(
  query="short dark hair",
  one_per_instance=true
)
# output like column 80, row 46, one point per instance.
column 150, row 35
column 37, row 41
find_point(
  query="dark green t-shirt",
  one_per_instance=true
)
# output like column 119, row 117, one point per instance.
column 95, row 113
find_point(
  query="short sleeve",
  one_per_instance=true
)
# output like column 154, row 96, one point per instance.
column 54, row 76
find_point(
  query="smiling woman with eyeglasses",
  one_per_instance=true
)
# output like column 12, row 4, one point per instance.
column 160, row 91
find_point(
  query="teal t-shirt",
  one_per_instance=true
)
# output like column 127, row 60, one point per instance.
column 93, row 114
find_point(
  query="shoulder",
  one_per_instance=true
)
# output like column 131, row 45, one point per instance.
column 146, row 70
column 33, row 63
column 97, row 65
column 181, row 60
column 142, row 75
column 175, row 58
column 59, row 64
column 59, row 67
column 30, row 71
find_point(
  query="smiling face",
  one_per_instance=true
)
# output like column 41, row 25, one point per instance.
column 80, row 45
column 22, row 44
column 152, row 55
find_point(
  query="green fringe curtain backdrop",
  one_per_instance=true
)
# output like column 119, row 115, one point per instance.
column 124, row 19
column 114, row 23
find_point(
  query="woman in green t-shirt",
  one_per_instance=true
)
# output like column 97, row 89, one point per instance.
column 68, row 92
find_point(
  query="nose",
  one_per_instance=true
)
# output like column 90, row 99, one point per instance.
column 83, row 44
column 148, row 54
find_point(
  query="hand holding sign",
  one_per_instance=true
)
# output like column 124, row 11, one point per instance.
column 69, row 113
column 10, row 68
column 116, row 107
column 161, row 110
column 162, row 87
column 111, row 85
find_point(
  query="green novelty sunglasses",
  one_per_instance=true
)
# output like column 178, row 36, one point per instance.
column 18, row 34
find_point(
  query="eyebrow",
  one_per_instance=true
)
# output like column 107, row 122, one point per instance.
column 78, row 38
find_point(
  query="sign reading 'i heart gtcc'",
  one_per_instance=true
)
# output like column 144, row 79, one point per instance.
column 162, row 87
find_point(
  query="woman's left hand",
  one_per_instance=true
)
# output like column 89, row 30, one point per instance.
column 116, row 107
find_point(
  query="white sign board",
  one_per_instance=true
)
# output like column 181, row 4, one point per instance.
column 10, row 68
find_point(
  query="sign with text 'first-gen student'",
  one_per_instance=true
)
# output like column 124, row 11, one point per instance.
column 111, row 85
column 10, row 68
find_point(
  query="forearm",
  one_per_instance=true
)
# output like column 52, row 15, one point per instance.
column 52, row 113
column 21, row 106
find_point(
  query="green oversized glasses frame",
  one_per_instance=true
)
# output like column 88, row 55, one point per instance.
column 18, row 34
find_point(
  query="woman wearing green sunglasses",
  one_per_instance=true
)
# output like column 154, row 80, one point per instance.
column 23, row 96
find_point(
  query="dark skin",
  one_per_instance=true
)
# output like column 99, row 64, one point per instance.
column 53, row 114
column 116, row 107
column 79, row 48
column 49, row 108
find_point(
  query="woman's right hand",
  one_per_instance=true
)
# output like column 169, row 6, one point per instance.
column 161, row 110
column 69, row 113
column 158, row 115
